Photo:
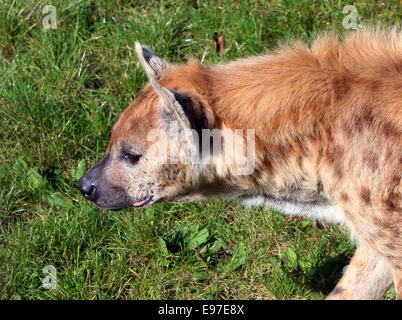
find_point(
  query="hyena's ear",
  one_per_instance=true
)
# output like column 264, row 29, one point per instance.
column 154, row 68
column 153, row 65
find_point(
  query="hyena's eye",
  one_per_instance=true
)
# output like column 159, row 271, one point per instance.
column 132, row 158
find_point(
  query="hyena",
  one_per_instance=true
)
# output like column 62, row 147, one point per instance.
column 328, row 144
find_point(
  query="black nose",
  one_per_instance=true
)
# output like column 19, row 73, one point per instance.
column 88, row 188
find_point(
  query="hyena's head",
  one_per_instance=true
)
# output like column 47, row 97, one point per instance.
column 144, row 161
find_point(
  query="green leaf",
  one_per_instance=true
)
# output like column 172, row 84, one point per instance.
column 305, row 265
column 58, row 200
column 200, row 276
column 35, row 180
column 20, row 167
column 238, row 258
column 290, row 256
column 162, row 246
column 218, row 244
column 197, row 238
column 204, row 250
column 164, row 252
column 79, row 170
column 304, row 224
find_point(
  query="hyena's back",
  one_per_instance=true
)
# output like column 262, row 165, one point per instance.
column 332, row 114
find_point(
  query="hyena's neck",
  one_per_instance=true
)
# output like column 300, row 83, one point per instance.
column 274, row 94
column 281, row 97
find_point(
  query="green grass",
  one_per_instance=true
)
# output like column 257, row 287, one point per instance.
column 60, row 92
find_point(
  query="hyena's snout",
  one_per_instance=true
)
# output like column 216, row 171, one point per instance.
column 89, row 184
column 96, row 188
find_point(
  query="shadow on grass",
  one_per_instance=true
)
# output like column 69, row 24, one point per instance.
column 324, row 277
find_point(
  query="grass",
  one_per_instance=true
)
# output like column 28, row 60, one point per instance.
column 61, row 91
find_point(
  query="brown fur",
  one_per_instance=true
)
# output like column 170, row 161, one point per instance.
column 328, row 122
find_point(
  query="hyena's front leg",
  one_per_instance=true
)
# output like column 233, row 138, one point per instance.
column 368, row 276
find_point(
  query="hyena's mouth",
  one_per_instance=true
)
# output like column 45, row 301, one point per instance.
column 143, row 203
